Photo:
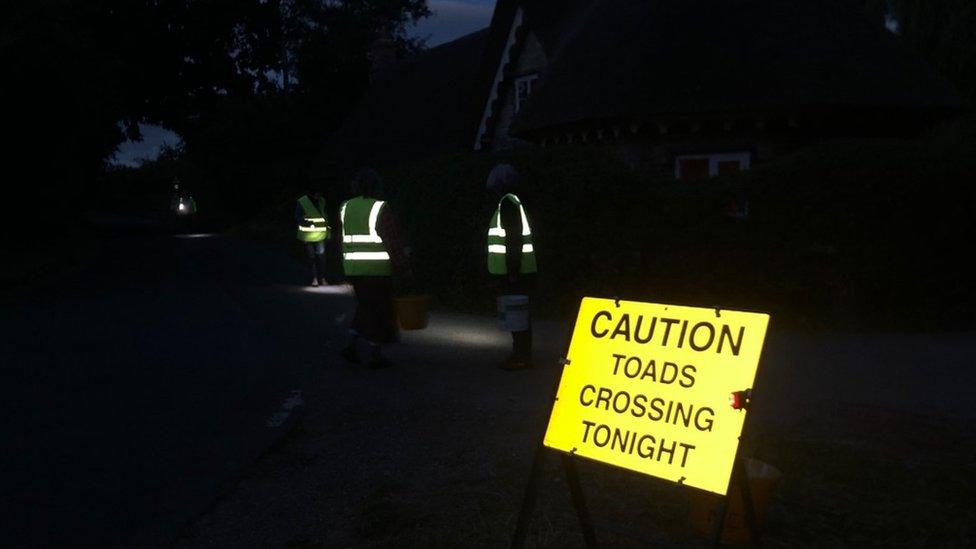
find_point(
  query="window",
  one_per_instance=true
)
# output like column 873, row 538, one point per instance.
column 523, row 89
column 702, row 166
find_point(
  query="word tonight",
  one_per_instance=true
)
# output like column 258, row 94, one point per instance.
column 701, row 336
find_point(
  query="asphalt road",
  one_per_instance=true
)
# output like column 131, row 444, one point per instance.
column 137, row 387
column 435, row 451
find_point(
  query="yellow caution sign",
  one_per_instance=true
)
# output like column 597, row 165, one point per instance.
column 648, row 388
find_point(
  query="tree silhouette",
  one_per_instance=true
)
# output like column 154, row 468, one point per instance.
column 80, row 75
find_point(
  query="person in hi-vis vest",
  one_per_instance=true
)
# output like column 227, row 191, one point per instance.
column 371, row 254
column 511, row 254
column 313, row 229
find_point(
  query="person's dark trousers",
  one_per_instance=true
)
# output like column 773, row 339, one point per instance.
column 375, row 319
column 333, row 261
column 374, row 323
column 522, row 344
column 523, row 285
column 316, row 258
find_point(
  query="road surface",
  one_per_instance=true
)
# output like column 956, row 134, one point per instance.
column 138, row 386
column 435, row 451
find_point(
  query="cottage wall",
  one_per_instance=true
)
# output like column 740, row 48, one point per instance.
column 531, row 60
column 658, row 157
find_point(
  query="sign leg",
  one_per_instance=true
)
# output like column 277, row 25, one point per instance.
column 741, row 477
column 528, row 500
column 579, row 502
column 747, row 506
column 719, row 524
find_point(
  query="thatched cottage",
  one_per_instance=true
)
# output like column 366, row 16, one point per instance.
column 692, row 88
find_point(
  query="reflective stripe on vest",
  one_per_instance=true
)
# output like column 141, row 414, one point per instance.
column 363, row 250
column 316, row 226
column 497, row 247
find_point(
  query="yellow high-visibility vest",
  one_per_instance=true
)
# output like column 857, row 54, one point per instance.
column 497, row 246
column 315, row 226
column 363, row 250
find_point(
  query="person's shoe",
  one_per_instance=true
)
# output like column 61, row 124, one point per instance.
column 514, row 363
column 350, row 354
column 324, row 282
column 315, row 283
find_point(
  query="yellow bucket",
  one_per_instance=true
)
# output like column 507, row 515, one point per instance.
column 411, row 311
column 704, row 505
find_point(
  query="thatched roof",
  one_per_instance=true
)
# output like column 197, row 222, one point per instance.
column 634, row 60
column 637, row 59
